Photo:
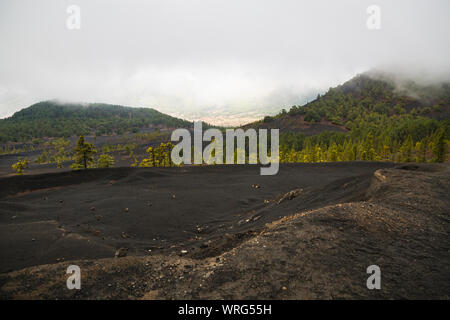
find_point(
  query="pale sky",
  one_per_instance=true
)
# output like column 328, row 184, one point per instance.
column 223, row 61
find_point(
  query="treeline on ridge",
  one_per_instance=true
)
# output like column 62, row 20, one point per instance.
column 53, row 119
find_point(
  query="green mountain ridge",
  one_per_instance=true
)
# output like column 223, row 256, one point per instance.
column 369, row 93
column 376, row 103
column 56, row 119
column 372, row 117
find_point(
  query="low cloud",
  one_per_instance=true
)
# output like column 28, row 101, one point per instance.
column 227, row 61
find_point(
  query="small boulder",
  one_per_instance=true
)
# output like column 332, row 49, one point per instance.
column 122, row 252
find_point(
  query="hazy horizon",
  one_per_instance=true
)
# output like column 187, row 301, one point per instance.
column 223, row 62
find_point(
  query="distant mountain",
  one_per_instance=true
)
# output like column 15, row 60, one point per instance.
column 56, row 119
column 374, row 93
column 376, row 99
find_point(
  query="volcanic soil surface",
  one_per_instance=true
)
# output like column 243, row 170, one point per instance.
column 225, row 232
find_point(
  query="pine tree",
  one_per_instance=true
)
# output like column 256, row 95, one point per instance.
column 406, row 150
column 439, row 147
column 83, row 154
column 368, row 148
column 333, row 152
column 318, row 154
column 150, row 161
column 421, row 151
column 385, row 153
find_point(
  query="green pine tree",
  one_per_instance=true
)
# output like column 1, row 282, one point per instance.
column 83, row 154
column 439, row 147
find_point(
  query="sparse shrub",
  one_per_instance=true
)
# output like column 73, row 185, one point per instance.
column 76, row 166
column 20, row 166
column 59, row 163
column 105, row 161
column 426, row 110
column 437, row 108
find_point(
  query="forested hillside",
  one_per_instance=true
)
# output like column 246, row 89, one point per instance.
column 54, row 119
column 360, row 98
column 367, row 119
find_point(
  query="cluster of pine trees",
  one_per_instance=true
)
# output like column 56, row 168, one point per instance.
column 326, row 147
column 55, row 152
column 343, row 147
column 158, row 157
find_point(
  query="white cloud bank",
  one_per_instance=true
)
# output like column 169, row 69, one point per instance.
column 224, row 61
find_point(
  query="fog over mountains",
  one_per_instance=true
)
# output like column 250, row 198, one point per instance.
column 225, row 62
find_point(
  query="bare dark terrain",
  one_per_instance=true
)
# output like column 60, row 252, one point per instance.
column 204, row 232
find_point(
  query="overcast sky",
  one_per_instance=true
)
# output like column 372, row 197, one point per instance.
column 224, row 61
